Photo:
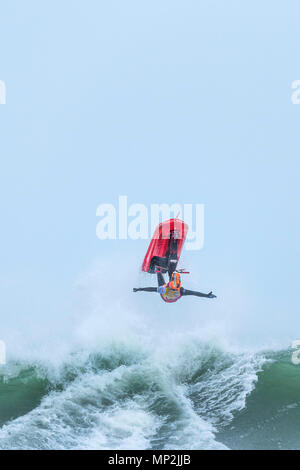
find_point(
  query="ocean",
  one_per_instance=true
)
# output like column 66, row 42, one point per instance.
column 127, row 372
column 126, row 396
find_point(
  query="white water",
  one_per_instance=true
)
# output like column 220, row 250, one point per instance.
column 154, row 377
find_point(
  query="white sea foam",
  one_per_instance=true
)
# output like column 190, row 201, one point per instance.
column 120, row 379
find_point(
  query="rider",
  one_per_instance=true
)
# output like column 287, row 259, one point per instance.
column 171, row 291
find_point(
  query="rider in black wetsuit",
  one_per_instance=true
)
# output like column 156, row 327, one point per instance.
column 172, row 291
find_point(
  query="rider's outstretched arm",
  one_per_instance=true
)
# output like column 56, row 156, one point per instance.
column 183, row 291
column 145, row 289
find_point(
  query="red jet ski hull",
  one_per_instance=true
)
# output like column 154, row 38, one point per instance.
column 165, row 246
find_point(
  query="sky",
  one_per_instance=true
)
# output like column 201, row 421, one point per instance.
column 163, row 102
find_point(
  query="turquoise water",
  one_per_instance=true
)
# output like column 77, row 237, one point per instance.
column 195, row 395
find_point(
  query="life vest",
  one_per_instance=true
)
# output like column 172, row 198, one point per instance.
column 175, row 282
column 172, row 289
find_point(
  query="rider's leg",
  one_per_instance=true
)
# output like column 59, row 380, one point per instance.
column 160, row 279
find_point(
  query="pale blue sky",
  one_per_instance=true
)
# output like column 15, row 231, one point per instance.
column 163, row 101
